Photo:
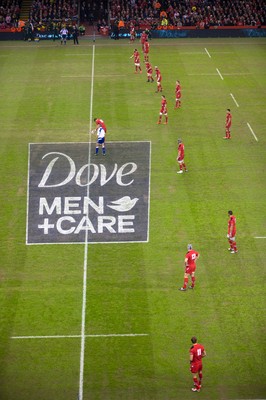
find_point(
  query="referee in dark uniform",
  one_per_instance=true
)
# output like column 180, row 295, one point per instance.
column 75, row 34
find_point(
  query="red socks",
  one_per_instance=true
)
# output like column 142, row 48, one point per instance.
column 200, row 377
column 234, row 246
column 196, row 383
column 185, row 283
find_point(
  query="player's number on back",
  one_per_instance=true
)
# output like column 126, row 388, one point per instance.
column 199, row 352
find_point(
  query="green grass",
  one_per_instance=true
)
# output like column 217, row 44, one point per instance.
column 132, row 288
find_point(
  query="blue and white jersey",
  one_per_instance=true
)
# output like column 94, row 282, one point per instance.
column 63, row 32
column 100, row 133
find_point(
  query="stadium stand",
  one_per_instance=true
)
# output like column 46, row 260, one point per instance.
column 103, row 15
column 9, row 14
column 184, row 13
column 46, row 10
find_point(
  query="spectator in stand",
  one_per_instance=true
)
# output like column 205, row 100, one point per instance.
column 163, row 14
column 201, row 14
column 82, row 30
column 46, row 11
column 9, row 13
column 8, row 21
column 164, row 22
column 121, row 24
column 182, row 13
column 157, row 7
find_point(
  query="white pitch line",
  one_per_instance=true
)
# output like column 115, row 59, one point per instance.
column 207, row 52
column 47, row 337
column 259, row 237
column 79, row 336
column 222, row 52
column 225, row 74
column 237, row 73
column 202, row 74
column 103, row 43
column 76, row 54
column 89, row 76
column 251, row 130
column 219, row 73
column 193, row 53
column 85, row 264
column 236, row 103
column 120, row 335
column 76, row 76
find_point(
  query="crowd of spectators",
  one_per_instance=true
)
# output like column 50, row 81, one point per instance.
column 9, row 13
column 49, row 10
column 52, row 15
column 183, row 13
column 154, row 13
column 93, row 10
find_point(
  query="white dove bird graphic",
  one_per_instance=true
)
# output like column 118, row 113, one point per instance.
column 123, row 204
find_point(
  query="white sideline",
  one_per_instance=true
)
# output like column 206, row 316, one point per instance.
column 251, row 130
column 79, row 336
column 85, row 264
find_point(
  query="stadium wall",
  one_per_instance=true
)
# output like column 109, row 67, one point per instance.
column 220, row 32
column 201, row 33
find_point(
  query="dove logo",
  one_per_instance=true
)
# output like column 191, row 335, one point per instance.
column 69, row 198
column 88, row 173
column 123, row 204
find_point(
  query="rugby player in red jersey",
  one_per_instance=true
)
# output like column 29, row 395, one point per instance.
column 136, row 61
column 146, row 49
column 143, row 39
column 231, row 232
column 163, row 111
column 196, row 353
column 177, row 95
column 149, row 71
column 100, row 123
column 190, row 267
column 180, row 157
column 158, row 80
column 228, row 124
